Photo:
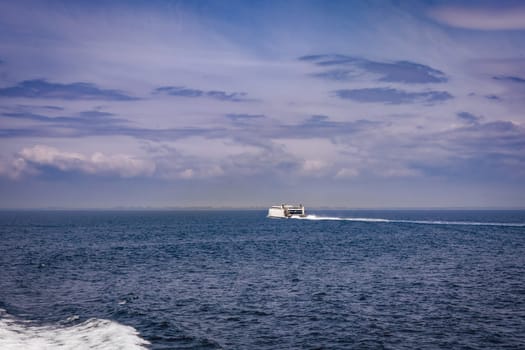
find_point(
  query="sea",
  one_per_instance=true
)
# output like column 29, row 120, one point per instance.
column 235, row 279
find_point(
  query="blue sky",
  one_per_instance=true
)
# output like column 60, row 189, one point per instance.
column 358, row 104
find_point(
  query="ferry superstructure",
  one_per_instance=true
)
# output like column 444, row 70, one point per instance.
column 285, row 211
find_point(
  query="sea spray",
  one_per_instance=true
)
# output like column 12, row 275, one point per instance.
column 98, row 334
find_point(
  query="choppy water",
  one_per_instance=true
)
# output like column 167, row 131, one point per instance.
column 238, row 280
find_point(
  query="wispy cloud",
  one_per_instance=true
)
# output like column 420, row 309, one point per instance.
column 479, row 150
column 244, row 118
column 497, row 16
column 493, row 97
column 41, row 88
column 72, row 131
column 91, row 123
column 85, row 118
column 393, row 96
column 351, row 68
column 182, row 91
column 258, row 130
column 46, row 107
column 337, row 74
column 469, row 118
column 322, row 126
column 510, row 79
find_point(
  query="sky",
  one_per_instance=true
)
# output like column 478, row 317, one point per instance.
column 354, row 104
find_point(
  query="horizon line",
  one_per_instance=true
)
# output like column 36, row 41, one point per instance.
column 250, row 208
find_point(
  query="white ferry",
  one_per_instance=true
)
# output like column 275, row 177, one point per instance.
column 286, row 211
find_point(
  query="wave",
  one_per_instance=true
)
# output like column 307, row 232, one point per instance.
column 91, row 334
column 422, row 222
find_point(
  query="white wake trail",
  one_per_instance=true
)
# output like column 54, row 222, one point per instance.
column 421, row 222
column 335, row 218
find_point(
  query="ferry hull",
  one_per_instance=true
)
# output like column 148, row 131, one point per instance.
column 276, row 213
column 286, row 211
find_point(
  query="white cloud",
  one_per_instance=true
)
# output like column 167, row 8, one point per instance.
column 12, row 169
column 483, row 18
column 187, row 174
column 32, row 159
column 313, row 166
column 202, row 172
column 346, row 173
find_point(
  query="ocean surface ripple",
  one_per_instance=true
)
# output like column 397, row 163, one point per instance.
column 238, row 280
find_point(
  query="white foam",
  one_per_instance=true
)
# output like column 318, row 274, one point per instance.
column 335, row 218
column 92, row 334
column 422, row 222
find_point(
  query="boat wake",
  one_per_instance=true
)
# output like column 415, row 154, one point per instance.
column 422, row 222
column 91, row 334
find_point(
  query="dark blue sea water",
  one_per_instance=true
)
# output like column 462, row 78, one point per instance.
column 238, row 280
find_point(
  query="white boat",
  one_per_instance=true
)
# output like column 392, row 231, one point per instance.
column 286, row 211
